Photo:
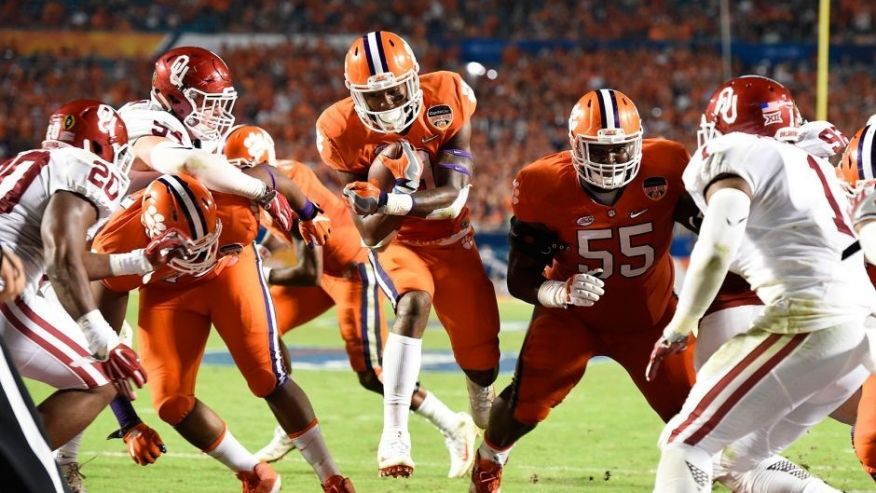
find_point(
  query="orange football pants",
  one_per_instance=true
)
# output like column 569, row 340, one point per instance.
column 558, row 346
column 174, row 324
column 865, row 427
column 359, row 304
column 463, row 296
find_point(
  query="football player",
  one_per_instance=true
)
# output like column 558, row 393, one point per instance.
column 220, row 283
column 339, row 274
column 772, row 211
column 435, row 260
column 857, row 168
column 54, row 199
column 590, row 242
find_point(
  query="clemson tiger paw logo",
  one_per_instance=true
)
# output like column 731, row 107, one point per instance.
column 153, row 221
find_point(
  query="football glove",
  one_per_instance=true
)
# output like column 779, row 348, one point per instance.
column 278, row 207
column 582, row 289
column 317, row 230
column 406, row 169
column 365, row 197
column 674, row 340
column 143, row 443
column 121, row 365
column 170, row 244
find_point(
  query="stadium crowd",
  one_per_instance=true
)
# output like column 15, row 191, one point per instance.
column 523, row 107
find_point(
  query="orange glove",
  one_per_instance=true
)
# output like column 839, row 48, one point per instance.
column 316, row 231
column 365, row 197
column 144, row 444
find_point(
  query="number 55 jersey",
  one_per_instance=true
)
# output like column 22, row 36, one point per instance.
column 629, row 239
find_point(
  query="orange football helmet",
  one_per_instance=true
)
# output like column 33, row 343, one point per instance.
column 858, row 164
column 181, row 202
column 604, row 126
column 249, row 145
column 381, row 72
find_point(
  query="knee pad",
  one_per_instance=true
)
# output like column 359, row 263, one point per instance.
column 172, row 410
column 263, row 382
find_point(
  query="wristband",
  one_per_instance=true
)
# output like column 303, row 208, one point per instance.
column 98, row 333
column 134, row 262
column 398, row 204
column 307, row 212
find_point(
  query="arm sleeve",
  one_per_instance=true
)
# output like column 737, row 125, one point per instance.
column 720, row 236
column 213, row 170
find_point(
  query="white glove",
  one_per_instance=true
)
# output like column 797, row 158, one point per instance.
column 583, row 289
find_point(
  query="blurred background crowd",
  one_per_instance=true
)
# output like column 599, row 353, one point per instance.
column 664, row 56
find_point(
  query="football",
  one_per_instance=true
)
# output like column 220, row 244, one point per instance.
column 382, row 177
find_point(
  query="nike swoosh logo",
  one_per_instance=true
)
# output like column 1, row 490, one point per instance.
column 636, row 214
column 735, row 223
column 429, row 138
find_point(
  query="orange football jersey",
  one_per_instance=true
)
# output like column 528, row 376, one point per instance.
column 629, row 240
column 124, row 232
column 347, row 145
column 344, row 246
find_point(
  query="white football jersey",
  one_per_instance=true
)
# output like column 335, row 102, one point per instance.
column 797, row 230
column 149, row 118
column 28, row 181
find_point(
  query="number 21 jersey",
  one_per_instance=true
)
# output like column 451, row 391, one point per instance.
column 629, row 239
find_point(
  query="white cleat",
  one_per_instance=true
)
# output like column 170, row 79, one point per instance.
column 394, row 455
column 460, row 443
column 480, row 401
column 278, row 447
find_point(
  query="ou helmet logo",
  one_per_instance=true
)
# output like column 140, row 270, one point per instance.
column 725, row 106
column 106, row 120
column 178, row 70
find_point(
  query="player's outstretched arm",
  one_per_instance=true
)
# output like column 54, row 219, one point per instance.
column 314, row 226
column 213, row 170
column 65, row 222
column 722, row 231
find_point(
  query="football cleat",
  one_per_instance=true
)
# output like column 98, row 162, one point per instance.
column 486, row 476
column 338, row 484
column 394, row 455
column 73, row 476
column 480, row 401
column 262, row 479
column 277, row 448
column 460, row 443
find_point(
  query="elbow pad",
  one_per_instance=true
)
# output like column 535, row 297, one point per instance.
column 453, row 210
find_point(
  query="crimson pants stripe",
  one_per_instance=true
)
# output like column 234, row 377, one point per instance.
column 48, row 346
column 719, row 387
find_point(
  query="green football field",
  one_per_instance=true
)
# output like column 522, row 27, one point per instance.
column 602, row 438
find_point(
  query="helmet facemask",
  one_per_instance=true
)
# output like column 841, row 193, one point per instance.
column 211, row 117
column 202, row 256
column 591, row 157
column 394, row 120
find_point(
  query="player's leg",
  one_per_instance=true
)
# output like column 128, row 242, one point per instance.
column 749, row 465
column 294, row 306
column 552, row 360
column 407, row 282
column 47, row 345
column 774, row 473
column 865, row 428
column 465, row 302
column 243, row 313
column 749, row 384
column 26, row 463
column 363, row 328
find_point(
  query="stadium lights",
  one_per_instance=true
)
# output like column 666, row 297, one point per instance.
column 475, row 69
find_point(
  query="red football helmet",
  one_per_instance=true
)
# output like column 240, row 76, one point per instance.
column 93, row 126
column 751, row 104
column 181, row 202
column 381, row 72
column 195, row 85
column 603, row 126
column 249, row 145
